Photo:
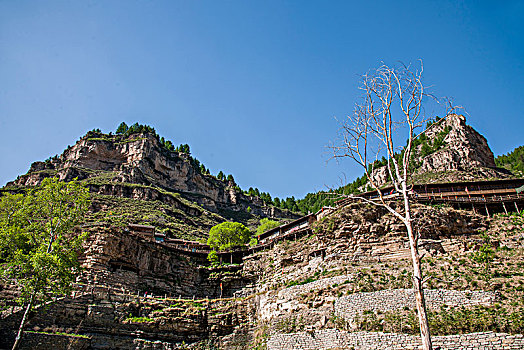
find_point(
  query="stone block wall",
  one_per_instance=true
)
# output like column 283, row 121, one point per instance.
column 334, row 339
column 396, row 299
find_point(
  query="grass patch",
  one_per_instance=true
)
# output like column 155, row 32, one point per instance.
column 60, row 333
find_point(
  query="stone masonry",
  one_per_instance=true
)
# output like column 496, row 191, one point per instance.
column 396, row 299
column 335, row 339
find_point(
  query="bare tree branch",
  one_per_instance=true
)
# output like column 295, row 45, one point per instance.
column 392, row 107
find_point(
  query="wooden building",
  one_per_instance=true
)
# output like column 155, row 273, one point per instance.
column 488, row 196
column 295, row 228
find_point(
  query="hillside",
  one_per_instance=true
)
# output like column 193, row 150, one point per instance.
column 345, row 285
column 137, row 177
column 336, row 279
column 449, row 151
column 513, row 161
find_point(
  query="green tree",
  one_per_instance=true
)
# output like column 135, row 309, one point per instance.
column 213, row 257
column 122, row 128
column 39, row 245
column 228, row 235
column 184, row 149
column 266, row 225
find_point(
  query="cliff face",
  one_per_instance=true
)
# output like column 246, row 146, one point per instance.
column 141, row 159
column 462, row 154
column 464, row 149
column 138, row 159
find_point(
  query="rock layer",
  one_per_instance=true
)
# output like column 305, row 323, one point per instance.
column 141, row 159
column 465, row 148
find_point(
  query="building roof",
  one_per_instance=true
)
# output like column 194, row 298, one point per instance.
column 285, row 226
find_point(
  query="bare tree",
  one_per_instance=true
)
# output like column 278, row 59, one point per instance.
column 392, row 110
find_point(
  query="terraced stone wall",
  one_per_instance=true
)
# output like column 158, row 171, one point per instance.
column 335, row 339
column 396, row 299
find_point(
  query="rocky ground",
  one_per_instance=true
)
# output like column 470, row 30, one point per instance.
column 353, row 276
column 345, row 285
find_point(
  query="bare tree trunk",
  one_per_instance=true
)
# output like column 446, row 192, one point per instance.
column 418, row 289
column 18, row 338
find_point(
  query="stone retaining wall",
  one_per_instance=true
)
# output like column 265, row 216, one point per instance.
column 334, row 339
column 291, row 292
column 396, row 299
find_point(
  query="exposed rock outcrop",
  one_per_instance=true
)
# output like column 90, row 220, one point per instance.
column 463, row 156
column 141, row 159
column 465, row 148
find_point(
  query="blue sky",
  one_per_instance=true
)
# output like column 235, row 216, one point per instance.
column 252, row 86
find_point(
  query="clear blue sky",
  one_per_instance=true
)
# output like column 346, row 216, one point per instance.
column 252, row 86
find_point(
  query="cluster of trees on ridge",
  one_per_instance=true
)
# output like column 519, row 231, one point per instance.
column 513, row 161
column 289, row 203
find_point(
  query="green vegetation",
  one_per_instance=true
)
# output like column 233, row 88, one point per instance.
column 39, row 246
column 513, row 161
column 61, row 333
column 445, row 321
column 172, row 219
column 141, row 319
column 266, row 197
column 266, row 225
column 427, row 146
column 228, row 235
column 290, row 324
column 485, row 255
column 213, row 257
column 301, row 282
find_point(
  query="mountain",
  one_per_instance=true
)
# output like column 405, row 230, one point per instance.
column 139, row 178
column 449, row 150
column 338, row 280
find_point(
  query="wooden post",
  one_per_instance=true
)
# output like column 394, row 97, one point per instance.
column 516, row 207
column 485, row 206
column 505, row 210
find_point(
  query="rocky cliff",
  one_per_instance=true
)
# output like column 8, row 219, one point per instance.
column 451, row 151
column 137, row 179
column 141, row 159
column 334, row 288
column 464, row 148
